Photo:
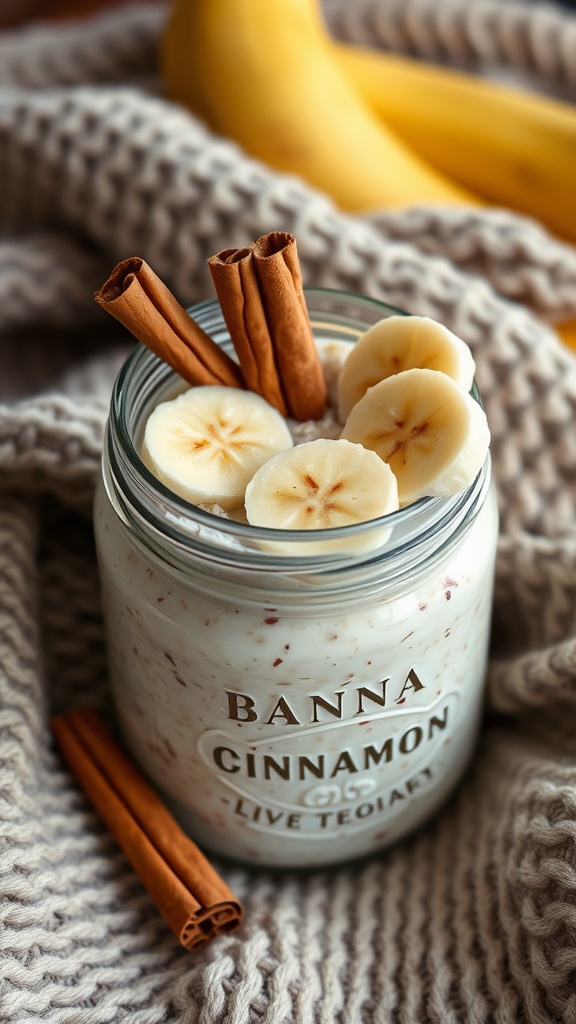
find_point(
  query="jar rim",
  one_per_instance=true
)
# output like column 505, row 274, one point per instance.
column 145, row 501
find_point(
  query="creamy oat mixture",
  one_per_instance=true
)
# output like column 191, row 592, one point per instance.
column 273, row 727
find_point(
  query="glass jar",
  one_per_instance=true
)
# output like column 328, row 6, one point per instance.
column 292, row 708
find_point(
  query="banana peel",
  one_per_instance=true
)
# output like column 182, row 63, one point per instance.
column 263, row 73
column 512, row 147
column 370, row 129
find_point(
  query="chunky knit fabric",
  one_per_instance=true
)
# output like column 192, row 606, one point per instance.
column 471, row 920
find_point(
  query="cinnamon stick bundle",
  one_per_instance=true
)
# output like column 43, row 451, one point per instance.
column 191, row 896
column 262, row 299
column 137, row 297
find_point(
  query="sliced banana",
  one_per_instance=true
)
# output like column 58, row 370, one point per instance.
column 400, row 343
column 319, row 485
column 431, row 432
column 207, row 443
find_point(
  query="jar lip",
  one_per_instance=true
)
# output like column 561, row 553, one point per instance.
column 180, row 521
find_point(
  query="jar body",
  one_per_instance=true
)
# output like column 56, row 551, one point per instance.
column 295, row 725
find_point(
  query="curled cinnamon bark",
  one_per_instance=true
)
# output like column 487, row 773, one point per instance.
column 262, row 299
column 237, row 288
column 137, row 297
column 188, row 891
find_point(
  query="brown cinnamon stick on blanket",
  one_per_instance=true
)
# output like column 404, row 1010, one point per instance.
column 262, row 299
column 141, row 302
column 194, row 900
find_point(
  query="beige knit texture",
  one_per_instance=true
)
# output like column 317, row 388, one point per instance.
column 473, row 919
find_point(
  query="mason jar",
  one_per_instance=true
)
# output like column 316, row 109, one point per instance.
column 293, row 708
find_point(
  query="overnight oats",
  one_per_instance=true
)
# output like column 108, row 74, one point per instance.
column 298, row 696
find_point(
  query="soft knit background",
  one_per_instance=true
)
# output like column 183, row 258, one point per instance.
column 474, row 918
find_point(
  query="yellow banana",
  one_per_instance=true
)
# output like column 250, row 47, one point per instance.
column 262, row 72
column 567, row 332
column 512, row 147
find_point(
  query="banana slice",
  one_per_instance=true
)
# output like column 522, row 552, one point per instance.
column 323, row 484
column 400, row 343
column 207, row 443
column 432, row 434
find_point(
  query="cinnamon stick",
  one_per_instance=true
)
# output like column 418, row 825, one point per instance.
column 262, row 299
column 237, row 289
column 191, row 896
column 280, row 279
column 137, row 297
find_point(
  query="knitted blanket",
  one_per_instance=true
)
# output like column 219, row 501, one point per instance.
column 473, row 919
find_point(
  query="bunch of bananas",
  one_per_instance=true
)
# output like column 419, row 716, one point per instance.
column 370, row 129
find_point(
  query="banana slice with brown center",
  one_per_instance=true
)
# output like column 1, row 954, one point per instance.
column 207, row 443
column 432, row 434
column 320, row 485
column 400, row 343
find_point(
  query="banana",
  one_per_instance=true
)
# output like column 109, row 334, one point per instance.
column 320, row 485
column 208, row 442
column 567, row 332
column 262, row 72
column 432, row 434
column 510, row 146
column 401, row 343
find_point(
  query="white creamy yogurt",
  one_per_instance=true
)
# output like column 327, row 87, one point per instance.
column 291, row 712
